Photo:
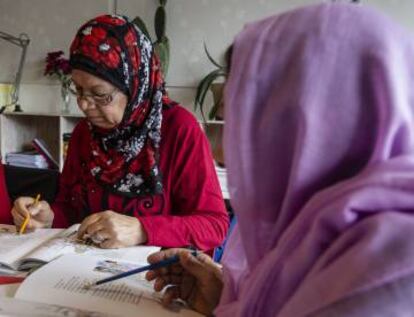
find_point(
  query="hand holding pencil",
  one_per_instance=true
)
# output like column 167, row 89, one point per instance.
column 31, row 213
column 27, row 219
column 195, row 279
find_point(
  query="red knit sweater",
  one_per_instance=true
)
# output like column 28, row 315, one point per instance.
column 190, row 211
column 5, row 205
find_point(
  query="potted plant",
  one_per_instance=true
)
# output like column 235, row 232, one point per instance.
column 162, row 44
column 57, row 65
column 213, row 127
column 210, row 82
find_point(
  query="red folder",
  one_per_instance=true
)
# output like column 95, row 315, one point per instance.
column 10, row 279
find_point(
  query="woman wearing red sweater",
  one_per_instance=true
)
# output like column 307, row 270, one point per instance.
column 139, row 168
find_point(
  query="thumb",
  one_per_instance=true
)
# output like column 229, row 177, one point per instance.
column 194, row 265
column 38, row 208
column 34, row 210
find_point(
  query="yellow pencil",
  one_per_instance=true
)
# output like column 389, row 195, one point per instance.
column 26, row 220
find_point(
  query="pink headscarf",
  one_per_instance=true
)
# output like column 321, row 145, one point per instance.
column 319, row 142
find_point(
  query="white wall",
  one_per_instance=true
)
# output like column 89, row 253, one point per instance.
column 51, row 25
column 215, row 22
column 401, row 10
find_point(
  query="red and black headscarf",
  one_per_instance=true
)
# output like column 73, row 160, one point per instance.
column 124, row 159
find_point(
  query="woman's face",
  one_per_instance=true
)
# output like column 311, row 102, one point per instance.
column 101, row 102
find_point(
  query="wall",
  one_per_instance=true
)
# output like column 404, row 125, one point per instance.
column 51, row 25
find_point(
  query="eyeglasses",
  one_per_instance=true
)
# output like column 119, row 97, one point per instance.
column 100, row 100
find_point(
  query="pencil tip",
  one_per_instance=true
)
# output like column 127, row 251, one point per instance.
column 88, row 285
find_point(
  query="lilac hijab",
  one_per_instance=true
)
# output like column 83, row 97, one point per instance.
column 319, row 142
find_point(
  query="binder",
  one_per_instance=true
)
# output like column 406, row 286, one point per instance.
column 42, row 148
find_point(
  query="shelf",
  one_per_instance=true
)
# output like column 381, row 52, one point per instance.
column 46, row 114
column 18, row 129
column 212, row 122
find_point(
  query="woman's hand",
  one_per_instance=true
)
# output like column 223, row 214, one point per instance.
column 41, row 215
column 110, row 230
column 196, row 280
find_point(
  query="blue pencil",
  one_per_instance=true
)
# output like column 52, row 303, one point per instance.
column 158, row 265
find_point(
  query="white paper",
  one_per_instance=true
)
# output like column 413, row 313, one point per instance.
column 14, row 247
column 67, row 243
column 22, row 252
column 16, row 307
column 62, row 282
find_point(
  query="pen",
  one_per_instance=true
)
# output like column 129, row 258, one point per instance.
column 26, row 220
column 160, row 264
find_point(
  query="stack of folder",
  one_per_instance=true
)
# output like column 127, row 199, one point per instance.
column 30, row 159
column 222, row 176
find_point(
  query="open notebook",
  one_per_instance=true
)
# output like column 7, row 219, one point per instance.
column 31, row 250
column 62, row 282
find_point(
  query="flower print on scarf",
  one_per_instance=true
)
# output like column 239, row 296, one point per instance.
column 99, row 47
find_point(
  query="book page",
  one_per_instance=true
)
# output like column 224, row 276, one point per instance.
column 16, row 307
column 14, row 247
column 62, row 282
column 67, row 243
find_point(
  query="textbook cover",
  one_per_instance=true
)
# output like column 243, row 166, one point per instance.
column 42, row 148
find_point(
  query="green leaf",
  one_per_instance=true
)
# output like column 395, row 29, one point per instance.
column 214, row 109
column 141, row 25
column 204, row 86
column 211, row 58
column 162, row 49
column 160, row 22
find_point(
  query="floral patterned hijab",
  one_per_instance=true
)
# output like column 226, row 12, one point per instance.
column 125, row 159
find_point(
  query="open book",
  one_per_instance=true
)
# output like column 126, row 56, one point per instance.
column 63, row 282
column 31, row 250
column 13, row 307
